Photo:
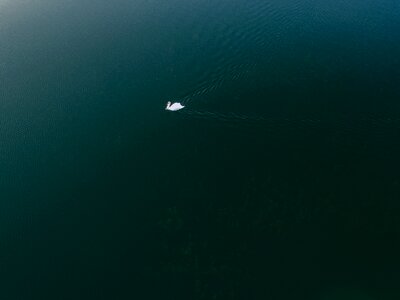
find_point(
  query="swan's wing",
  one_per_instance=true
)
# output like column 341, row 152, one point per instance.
column 176, row 106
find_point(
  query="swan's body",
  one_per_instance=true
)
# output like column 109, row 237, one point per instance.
column 174, row 106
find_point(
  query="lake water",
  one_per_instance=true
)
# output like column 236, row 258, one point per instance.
column 279, row 180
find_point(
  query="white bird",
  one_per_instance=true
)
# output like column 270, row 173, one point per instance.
column 174, row 106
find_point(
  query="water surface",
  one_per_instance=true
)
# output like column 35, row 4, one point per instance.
column 279, row 179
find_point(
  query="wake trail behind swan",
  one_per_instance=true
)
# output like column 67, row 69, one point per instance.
column 217, row 80
column 366, row 124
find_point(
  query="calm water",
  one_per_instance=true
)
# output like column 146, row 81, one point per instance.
column 280, row 179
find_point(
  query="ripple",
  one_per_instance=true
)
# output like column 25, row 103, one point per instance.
column 359, row 128
column 249, row 35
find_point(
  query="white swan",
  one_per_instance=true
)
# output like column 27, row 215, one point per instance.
column 173, row 107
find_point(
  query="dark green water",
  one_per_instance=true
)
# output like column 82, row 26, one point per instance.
column 279, row 180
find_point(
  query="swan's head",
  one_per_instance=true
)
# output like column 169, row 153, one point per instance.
column 168, row 104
